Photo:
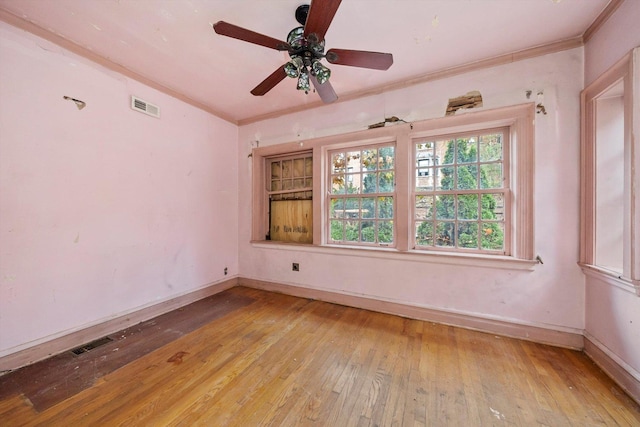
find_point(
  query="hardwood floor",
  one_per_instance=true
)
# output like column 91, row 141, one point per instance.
column 280, row 360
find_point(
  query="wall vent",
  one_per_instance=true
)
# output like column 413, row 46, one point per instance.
column 90, row 346
column 144, row 107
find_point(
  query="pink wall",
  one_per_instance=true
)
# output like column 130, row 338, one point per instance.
column 619, row 34
column 551, row 296
column 612, row 313
column 102, row 211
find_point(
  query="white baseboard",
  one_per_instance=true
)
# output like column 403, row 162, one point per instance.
column 572, row 340
column 624, row 375
column 57, row 345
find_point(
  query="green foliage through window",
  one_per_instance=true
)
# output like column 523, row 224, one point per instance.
column 460, row 200
column 362, row 195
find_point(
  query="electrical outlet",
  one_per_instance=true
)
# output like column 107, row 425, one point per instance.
column 295, row 266
column 225, row 271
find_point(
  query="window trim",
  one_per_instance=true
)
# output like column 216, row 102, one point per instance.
column 520, row 120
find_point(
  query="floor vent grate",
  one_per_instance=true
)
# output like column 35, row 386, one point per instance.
column 90, row 346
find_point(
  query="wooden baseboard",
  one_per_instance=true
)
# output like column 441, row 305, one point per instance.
column 57, row 345
column 614, row 369
column 572, row 340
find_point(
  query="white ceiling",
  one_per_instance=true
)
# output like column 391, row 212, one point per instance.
column 172, row 43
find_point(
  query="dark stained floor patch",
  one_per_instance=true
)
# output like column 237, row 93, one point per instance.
column 57, row 378
column 176, row 359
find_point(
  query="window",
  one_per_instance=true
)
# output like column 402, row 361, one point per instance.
column 460, row 202
column 361, row 203
column 610, row 159
column 290, row 190
column 459, row 184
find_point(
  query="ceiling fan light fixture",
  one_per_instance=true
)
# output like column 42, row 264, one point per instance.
column 291, row 70
column 303, row 82
column 295, row 38
column 321, row 72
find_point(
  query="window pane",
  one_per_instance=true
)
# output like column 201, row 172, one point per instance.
column 353, row 161
column 424, row 207
column 368, row 207
column 468, row 235
column 337, row 184
column 276, row 185
column 490, row 147
column 352, row 231
column 491, row 175
column 353, row 184
column 609, row 168
column 467, row 177
column 467, row 150
column 424, row 182
column 275, row 170
column 493, row 206
column 444, row 151
column 336, row 208
column 468, row 206
column 386, row 157
column 287, row 167
column 445, row 206
column 385, row 207
column 308, row 182
column 298, row 183
column 446, row 234
column 338, row 163
column 370, row 159
column 386, row 182
column 492, row 236
column 369, row 183
column 352, row 207
column 337, row 230
column 308, row 166
column 298, row 168
column 444, row 178
column 287, row 184
column 385, row 232
column 424, row 233
column 368, row 232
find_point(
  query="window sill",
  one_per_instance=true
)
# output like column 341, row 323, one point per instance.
column 611, row 278
column 471, row 260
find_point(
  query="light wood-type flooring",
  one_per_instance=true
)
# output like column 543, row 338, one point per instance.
column 285, row 361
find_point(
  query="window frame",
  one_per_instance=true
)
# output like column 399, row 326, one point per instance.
column 627, row 70
column 505, row 189
column 350, row 174
column 520, row 121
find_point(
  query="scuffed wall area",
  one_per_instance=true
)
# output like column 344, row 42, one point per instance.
column 103, row 210
column 551, row 296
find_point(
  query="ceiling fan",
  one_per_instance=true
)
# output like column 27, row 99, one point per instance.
column 305, row 46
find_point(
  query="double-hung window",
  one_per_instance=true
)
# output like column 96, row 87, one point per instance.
column 461, row 192
column 362, row 195
column 290, row 191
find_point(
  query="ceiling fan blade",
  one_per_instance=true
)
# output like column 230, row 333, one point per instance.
column 321, row 13
column 233, row 31
column 360, row 58
column 325, row 90
column 270, row 82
